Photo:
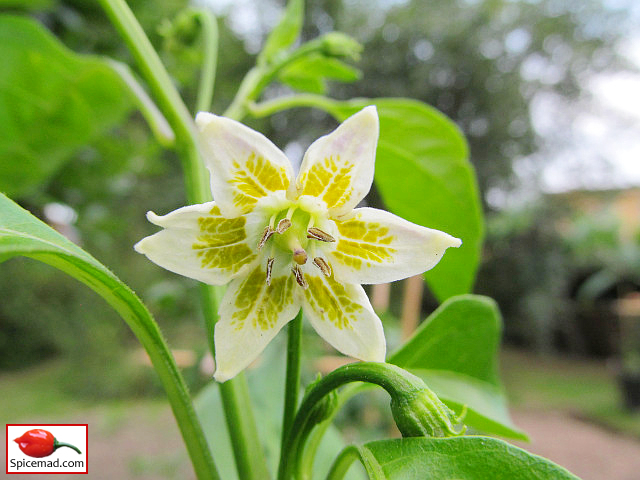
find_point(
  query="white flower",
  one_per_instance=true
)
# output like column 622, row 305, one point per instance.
column 283, row 245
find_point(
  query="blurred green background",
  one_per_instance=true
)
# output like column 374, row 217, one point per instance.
column 530, row 83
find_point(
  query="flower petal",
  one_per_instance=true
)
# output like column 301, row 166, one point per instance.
column 198, row 242
column 251, row 314
column 374, row 246
column 342, row 315
column 338, row 168
column 244, row 165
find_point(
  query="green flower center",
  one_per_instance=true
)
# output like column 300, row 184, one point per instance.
column 292, row 231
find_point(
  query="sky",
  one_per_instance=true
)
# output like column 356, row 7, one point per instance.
column 606, row 138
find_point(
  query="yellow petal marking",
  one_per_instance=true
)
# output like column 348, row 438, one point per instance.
column 331, row 301
column 221, row 242
column 363, row 242
column 255, row 179
column 259, row 303
column 328, row 181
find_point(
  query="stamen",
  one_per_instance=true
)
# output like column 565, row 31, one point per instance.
column 269, row 268
column 266, row 235
column 317, row 234
column 299, row 256
column 323, row 266
column 283, row 225
column 297, row 272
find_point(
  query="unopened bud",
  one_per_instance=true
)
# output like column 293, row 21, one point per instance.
column 420, row 413
column 336, row 44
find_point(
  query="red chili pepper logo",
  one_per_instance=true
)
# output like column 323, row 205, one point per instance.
column 39, row 443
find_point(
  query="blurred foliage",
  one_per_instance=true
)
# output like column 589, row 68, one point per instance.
column 555, row 269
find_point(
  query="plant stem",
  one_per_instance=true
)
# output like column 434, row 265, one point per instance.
column 292, row 385
column 210, row 52
column 388, row 376
column 165, row 93
column 269, row 107
column 261, row 75
column 342, row 463
column 249, row 457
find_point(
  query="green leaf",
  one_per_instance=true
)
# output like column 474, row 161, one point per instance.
column 22, row 234
column 459, row 458
column 424, row 175
column 52, row 101
column 285, row 33
column 455, row 351
column 462, row 335
column 309, row 74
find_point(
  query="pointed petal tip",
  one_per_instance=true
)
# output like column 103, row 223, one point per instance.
column 139, row 247
column 153, row 218
column 455, row 242
column 204, row 118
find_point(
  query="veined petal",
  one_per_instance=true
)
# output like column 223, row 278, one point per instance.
column 251, row 314
column 374, row 246
column 342, row 315
column 338, row 168
column 244, row 165
column 198, row 242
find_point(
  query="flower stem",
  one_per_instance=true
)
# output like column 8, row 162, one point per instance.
column 388, row 376
column 248, row 453
column 292, row 385
column 166, row 95
column 261, row 75
column 269, row 107
column 209, row 28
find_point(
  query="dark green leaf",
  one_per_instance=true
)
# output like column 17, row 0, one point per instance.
column 459, row 458
column 285, row 33
column 424, row 176
column 52, row 101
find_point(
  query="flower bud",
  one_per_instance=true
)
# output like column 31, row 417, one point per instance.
column 420, row 413
column 336, row 44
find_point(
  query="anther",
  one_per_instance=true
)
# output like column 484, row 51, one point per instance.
column 297, row 272
column 299, row 256
column 269, row 268
column 283, row 225
column 317, row 234
column 266, row 235
column 323, row 266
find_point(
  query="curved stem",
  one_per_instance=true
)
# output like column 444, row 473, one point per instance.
column 146, row 330
column 311, row 441
column 388, row 376
column 210, row 52
column 269, row 107
column 261, row 75
column 159, row 126
column 292, row 385
column 342, row 463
